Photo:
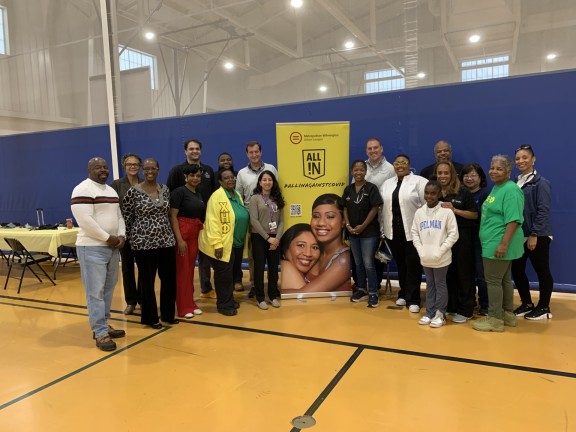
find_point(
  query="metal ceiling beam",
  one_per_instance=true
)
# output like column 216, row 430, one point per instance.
column 341, row 17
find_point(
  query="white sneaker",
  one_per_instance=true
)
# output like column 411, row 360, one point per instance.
column 401, row 302
column 275, row 303
column 189, row 315
column 197, row 311
column 438, row 320
column 263, row 305
column 414, row 308
column 424, row 320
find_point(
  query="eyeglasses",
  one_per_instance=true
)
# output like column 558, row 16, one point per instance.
column 401, row 163
column 470, row 176
column 149, row 169
column 132, row 165
column 525, row 147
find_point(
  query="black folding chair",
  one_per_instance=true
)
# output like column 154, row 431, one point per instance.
column 26, row 260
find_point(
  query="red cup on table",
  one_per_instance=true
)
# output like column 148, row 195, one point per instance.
column 69, row 224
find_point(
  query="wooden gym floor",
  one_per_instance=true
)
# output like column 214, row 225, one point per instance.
column 348, row 367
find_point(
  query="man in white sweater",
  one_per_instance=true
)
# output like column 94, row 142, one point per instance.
column 96, row 208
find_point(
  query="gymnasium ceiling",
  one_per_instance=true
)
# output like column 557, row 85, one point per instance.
column 275, row 42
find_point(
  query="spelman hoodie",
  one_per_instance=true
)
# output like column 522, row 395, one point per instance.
column 434, row 232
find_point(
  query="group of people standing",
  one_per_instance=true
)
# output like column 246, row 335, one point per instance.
column 446, row 223
column 443, row 222
column 164, row 228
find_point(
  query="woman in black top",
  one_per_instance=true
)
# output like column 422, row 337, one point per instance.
column 187, row 213
column 460, row 277
column 362, row 200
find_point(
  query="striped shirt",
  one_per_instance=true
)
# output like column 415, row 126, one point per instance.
column 96, row 208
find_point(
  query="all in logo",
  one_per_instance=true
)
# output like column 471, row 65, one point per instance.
column 314, row 163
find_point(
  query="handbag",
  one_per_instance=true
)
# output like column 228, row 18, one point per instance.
column 384, row 256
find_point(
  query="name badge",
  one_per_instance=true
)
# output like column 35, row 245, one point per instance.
column 272, row 226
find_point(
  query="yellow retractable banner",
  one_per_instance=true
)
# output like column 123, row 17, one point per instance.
column 312, row 160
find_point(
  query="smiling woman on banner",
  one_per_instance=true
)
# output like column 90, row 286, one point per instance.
column 299, row 251
column 332, row 270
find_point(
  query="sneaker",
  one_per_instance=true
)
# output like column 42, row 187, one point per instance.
column 263, row 305
column 115, row 334
column 489, row 324
column 424, row 320
column 523, row 309
column 189, row 315
column 276, row 303
column 510, row 319
column 459, row 319
column 252, row 293
column 105, row 343
column 539, row 313
column 373, row 301
column 359, row 296
column 401, row 302
column 438, row 320
column 129, row 309
column 197, row 311
column 238, row 286
column 208, row 295
column 228, row 312
column 414, row 308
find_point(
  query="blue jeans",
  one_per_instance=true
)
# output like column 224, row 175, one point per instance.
column 99, row 270
column 363, row 250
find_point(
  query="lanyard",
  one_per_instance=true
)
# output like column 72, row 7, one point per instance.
column 272, row 208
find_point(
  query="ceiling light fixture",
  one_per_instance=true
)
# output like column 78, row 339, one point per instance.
column 474, row 38
column 349, row 45
column 296, row 3
column 551, row 56
column 421, row 75
column 150, row 35
column 323, row 88
column 229, row 65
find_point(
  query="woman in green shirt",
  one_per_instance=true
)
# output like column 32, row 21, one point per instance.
column 502, row 242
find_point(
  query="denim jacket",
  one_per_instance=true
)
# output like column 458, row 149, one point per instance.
column 537, row 199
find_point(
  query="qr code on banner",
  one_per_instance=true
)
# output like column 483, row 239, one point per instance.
column 295, row 209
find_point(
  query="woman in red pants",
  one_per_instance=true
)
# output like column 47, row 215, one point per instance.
column 187, row 213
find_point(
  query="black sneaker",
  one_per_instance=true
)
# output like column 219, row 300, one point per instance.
column 228, row 312
column 539, row 313
column 115, row 334
column 359, row 296
column 105, row 343
column 523, row 309
column 373, row 301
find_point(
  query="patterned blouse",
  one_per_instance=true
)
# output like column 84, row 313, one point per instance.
column 147, row 223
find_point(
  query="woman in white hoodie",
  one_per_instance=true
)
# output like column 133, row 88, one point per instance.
column 434, row 232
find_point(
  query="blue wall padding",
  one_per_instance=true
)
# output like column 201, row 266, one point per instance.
column 479, row 119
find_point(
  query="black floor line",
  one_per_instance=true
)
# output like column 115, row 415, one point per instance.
column 83, row 368
column 359, row 349
column 322, row 397
column 398, row 351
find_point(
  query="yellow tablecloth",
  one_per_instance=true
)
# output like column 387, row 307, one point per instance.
column 40, row 240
